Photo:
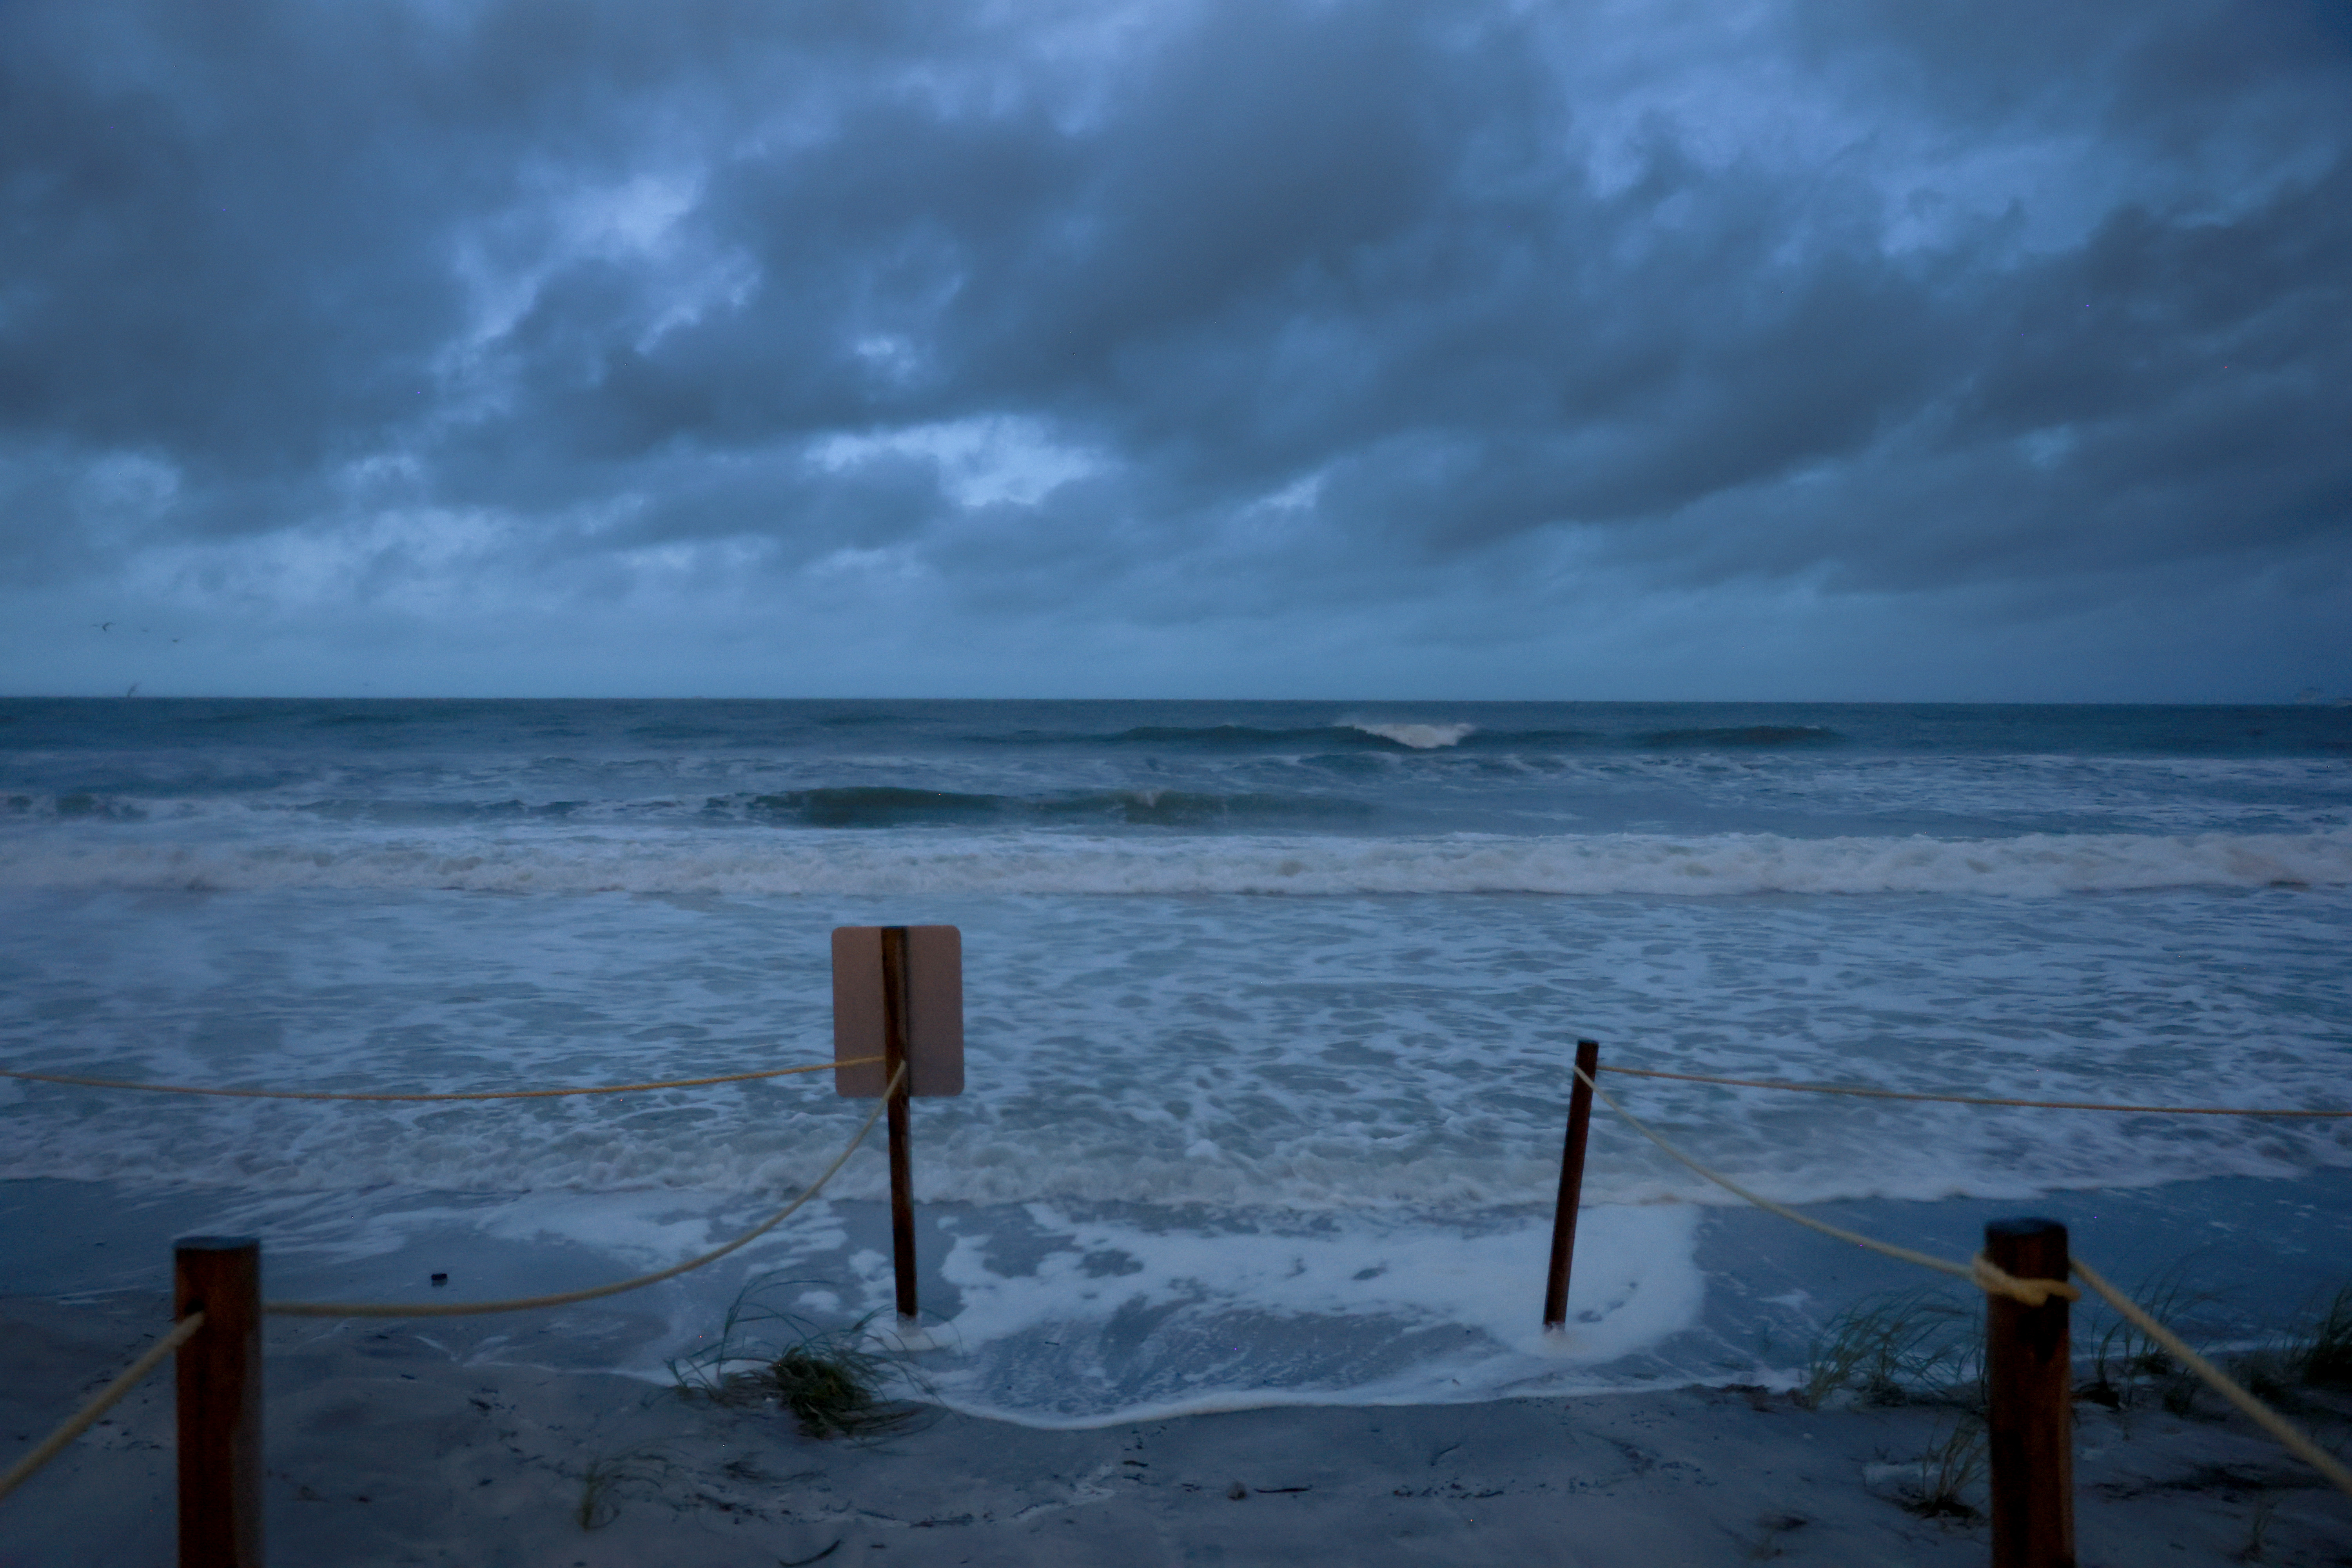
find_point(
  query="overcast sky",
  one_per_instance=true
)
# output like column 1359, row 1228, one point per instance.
column 1858, row 349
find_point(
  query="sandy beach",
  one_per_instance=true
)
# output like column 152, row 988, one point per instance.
column 398, row 1444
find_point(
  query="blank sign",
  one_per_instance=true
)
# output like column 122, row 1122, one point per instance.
column 934, row 1011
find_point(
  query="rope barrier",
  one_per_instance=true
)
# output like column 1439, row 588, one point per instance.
column 1981, row 1274
column 2262, row 1415
column 468, row 1094
column 181, row 1332
column 1973, row 1098
column 106, row 1399
column 1990, row 1277
column 1979, row 1271
column 563, row 1299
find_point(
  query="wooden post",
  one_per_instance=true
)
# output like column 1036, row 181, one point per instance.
column 2029, row 1402
column 895, row 1015
column 219, row 1376
column 1571, row 1185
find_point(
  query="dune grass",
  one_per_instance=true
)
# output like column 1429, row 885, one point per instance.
column 1902, row 1347
column 1925, row 1347
column 2284, row 1366
column 835, row 1382
column 2127, row 1363
column 1914, row 1347
column 2314, row 1353
column 2321, row 1353
column 1952, row 1470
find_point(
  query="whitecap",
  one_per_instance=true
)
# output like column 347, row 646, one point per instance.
column 1420, row 737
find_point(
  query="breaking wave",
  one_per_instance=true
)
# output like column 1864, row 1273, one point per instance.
column 1418, row 737
column 1352, row 735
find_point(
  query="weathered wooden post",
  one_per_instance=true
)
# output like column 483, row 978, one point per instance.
column 898, row 1001
column 1572, row 1183
column 219, row 1396
column 2029, row 1402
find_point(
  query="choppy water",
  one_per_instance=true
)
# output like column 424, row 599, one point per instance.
column 1268, row 1004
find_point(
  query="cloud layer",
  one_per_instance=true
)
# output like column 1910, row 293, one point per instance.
column 1826, row 349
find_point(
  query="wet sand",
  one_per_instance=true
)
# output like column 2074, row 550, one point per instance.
column 399, row 1444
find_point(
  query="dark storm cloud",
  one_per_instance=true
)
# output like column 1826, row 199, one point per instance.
column 1899, row 295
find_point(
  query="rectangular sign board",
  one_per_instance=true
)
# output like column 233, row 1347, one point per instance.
column 934, row 1011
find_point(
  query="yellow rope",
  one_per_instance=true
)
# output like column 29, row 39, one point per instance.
column 2262, row 1415
column 108, row 1397
column 469, row 1094
column 524, row 1303
column 1992, row 1279
column 1979, row 1273
column 1971, row 1098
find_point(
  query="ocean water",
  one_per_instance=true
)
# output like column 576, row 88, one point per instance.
column 1269, row 1008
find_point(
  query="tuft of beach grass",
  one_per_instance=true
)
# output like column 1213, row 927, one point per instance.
column 2128, row 1363
column 834, row 1381
column 2314, row 1354
column 1902, row 1347
column 1952, row 1468
column 607, row 1477
column 2321, row 1356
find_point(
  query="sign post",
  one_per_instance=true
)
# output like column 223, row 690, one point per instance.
column 898, row 1002
column 895, row 1012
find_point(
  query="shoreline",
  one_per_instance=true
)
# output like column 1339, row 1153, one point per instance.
column 1078, row 1352
column 401, row 1443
